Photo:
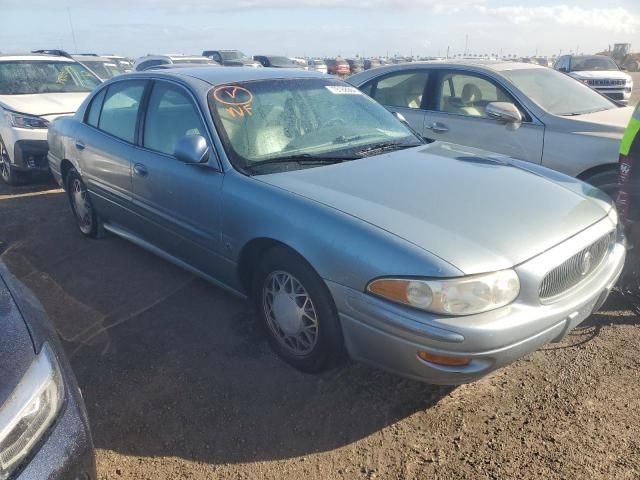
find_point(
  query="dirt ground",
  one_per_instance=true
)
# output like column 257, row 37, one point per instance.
column 180, row 385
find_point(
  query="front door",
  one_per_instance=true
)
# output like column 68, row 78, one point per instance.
column 459, row 116
column 180, row 202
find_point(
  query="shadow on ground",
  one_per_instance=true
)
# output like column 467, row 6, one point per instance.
column 172, row 366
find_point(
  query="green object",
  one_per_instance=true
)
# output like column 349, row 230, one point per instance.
column 631, row 132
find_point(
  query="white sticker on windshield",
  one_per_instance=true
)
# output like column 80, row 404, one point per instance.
column 343, row 90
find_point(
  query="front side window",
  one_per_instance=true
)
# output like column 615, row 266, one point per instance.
column 21, row 77
column 171, row 115
column 120, row 109
column 305, row 120
column 400, row 90
column 557, row 93
column 468, row 95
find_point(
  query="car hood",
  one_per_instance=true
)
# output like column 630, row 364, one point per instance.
column 608, row 123
column 478, row 211
column 16, row 348
column 600, row 74
column 44, row 104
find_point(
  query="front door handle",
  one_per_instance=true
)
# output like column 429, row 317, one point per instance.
column 437, row 127
column 140, row 170
column 79, row 145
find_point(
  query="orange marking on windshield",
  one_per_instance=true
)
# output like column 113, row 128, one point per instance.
column 233, row 95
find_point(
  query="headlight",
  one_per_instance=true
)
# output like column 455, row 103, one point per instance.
column 613, row 215
column 30, row 410
column 451, row 296
column 27, row 121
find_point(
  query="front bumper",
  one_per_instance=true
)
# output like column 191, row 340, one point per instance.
column 27, row 148
column 390, row 336
column 620, row 94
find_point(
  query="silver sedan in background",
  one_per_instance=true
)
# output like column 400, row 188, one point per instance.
column 522, row 110
column 438, row 262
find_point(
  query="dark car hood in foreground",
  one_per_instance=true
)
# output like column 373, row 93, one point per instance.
column 16, row 348
column 476, row 212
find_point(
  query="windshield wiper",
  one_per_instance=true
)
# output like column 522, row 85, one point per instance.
column 384, row 147
column 302, row 159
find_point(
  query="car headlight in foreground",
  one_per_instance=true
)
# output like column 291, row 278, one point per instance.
column 30, row 410
column 20, row 120
column 451, row 296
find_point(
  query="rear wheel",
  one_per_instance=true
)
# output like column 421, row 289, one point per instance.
column 606, row 181
column 297, row 311
column 81, row 205
column 7, row 172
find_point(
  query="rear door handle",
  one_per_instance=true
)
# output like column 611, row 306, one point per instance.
column 437, row 127
column 79, row 145
column 140, row 170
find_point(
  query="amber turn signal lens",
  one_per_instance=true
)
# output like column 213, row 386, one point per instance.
column 442, row 360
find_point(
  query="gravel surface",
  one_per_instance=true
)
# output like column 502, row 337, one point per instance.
column 179, row 384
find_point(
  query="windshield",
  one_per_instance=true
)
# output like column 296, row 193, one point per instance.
column 557, row 93
column 594, row 63
column 194, row 61
column 233, row 55
column 41, row 76
column 104, row 70
column 266, row 120
column 281, row 62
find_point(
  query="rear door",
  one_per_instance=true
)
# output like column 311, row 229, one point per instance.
column 104, row 144
column 458, row 115
column 179, row 203
column 404, row 92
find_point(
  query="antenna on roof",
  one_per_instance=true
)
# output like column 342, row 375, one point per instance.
column 73, row 34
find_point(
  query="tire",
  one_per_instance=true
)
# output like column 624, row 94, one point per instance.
column 606, row 181
column 7, row 172
column 309, row 342
column 81, row 205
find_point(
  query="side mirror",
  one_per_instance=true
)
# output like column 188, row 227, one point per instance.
column 563, row 69
column 192, row 149
column 504, row 112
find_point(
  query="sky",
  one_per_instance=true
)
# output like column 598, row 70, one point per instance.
column 320, row 28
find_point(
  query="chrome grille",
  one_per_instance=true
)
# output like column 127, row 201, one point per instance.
column 574, row 270
column 607, row 83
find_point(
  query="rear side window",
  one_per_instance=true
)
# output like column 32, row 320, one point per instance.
column 171, row 115
column 120, row 109
column 93, row 115
column 400, row 90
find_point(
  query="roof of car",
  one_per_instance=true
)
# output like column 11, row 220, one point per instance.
column 33, row 56
column 91, row 58
column 221, row 76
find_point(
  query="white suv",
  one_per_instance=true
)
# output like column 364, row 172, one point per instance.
column 600, row 73
column 34, row 90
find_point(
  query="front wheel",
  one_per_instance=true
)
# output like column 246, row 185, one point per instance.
column 81, row 205
column 297, row 311
column 606, row 181
column 7, row 172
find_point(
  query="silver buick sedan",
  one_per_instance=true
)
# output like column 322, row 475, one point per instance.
column 438, row 262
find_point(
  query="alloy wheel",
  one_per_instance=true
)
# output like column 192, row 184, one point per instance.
column 5, row 168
